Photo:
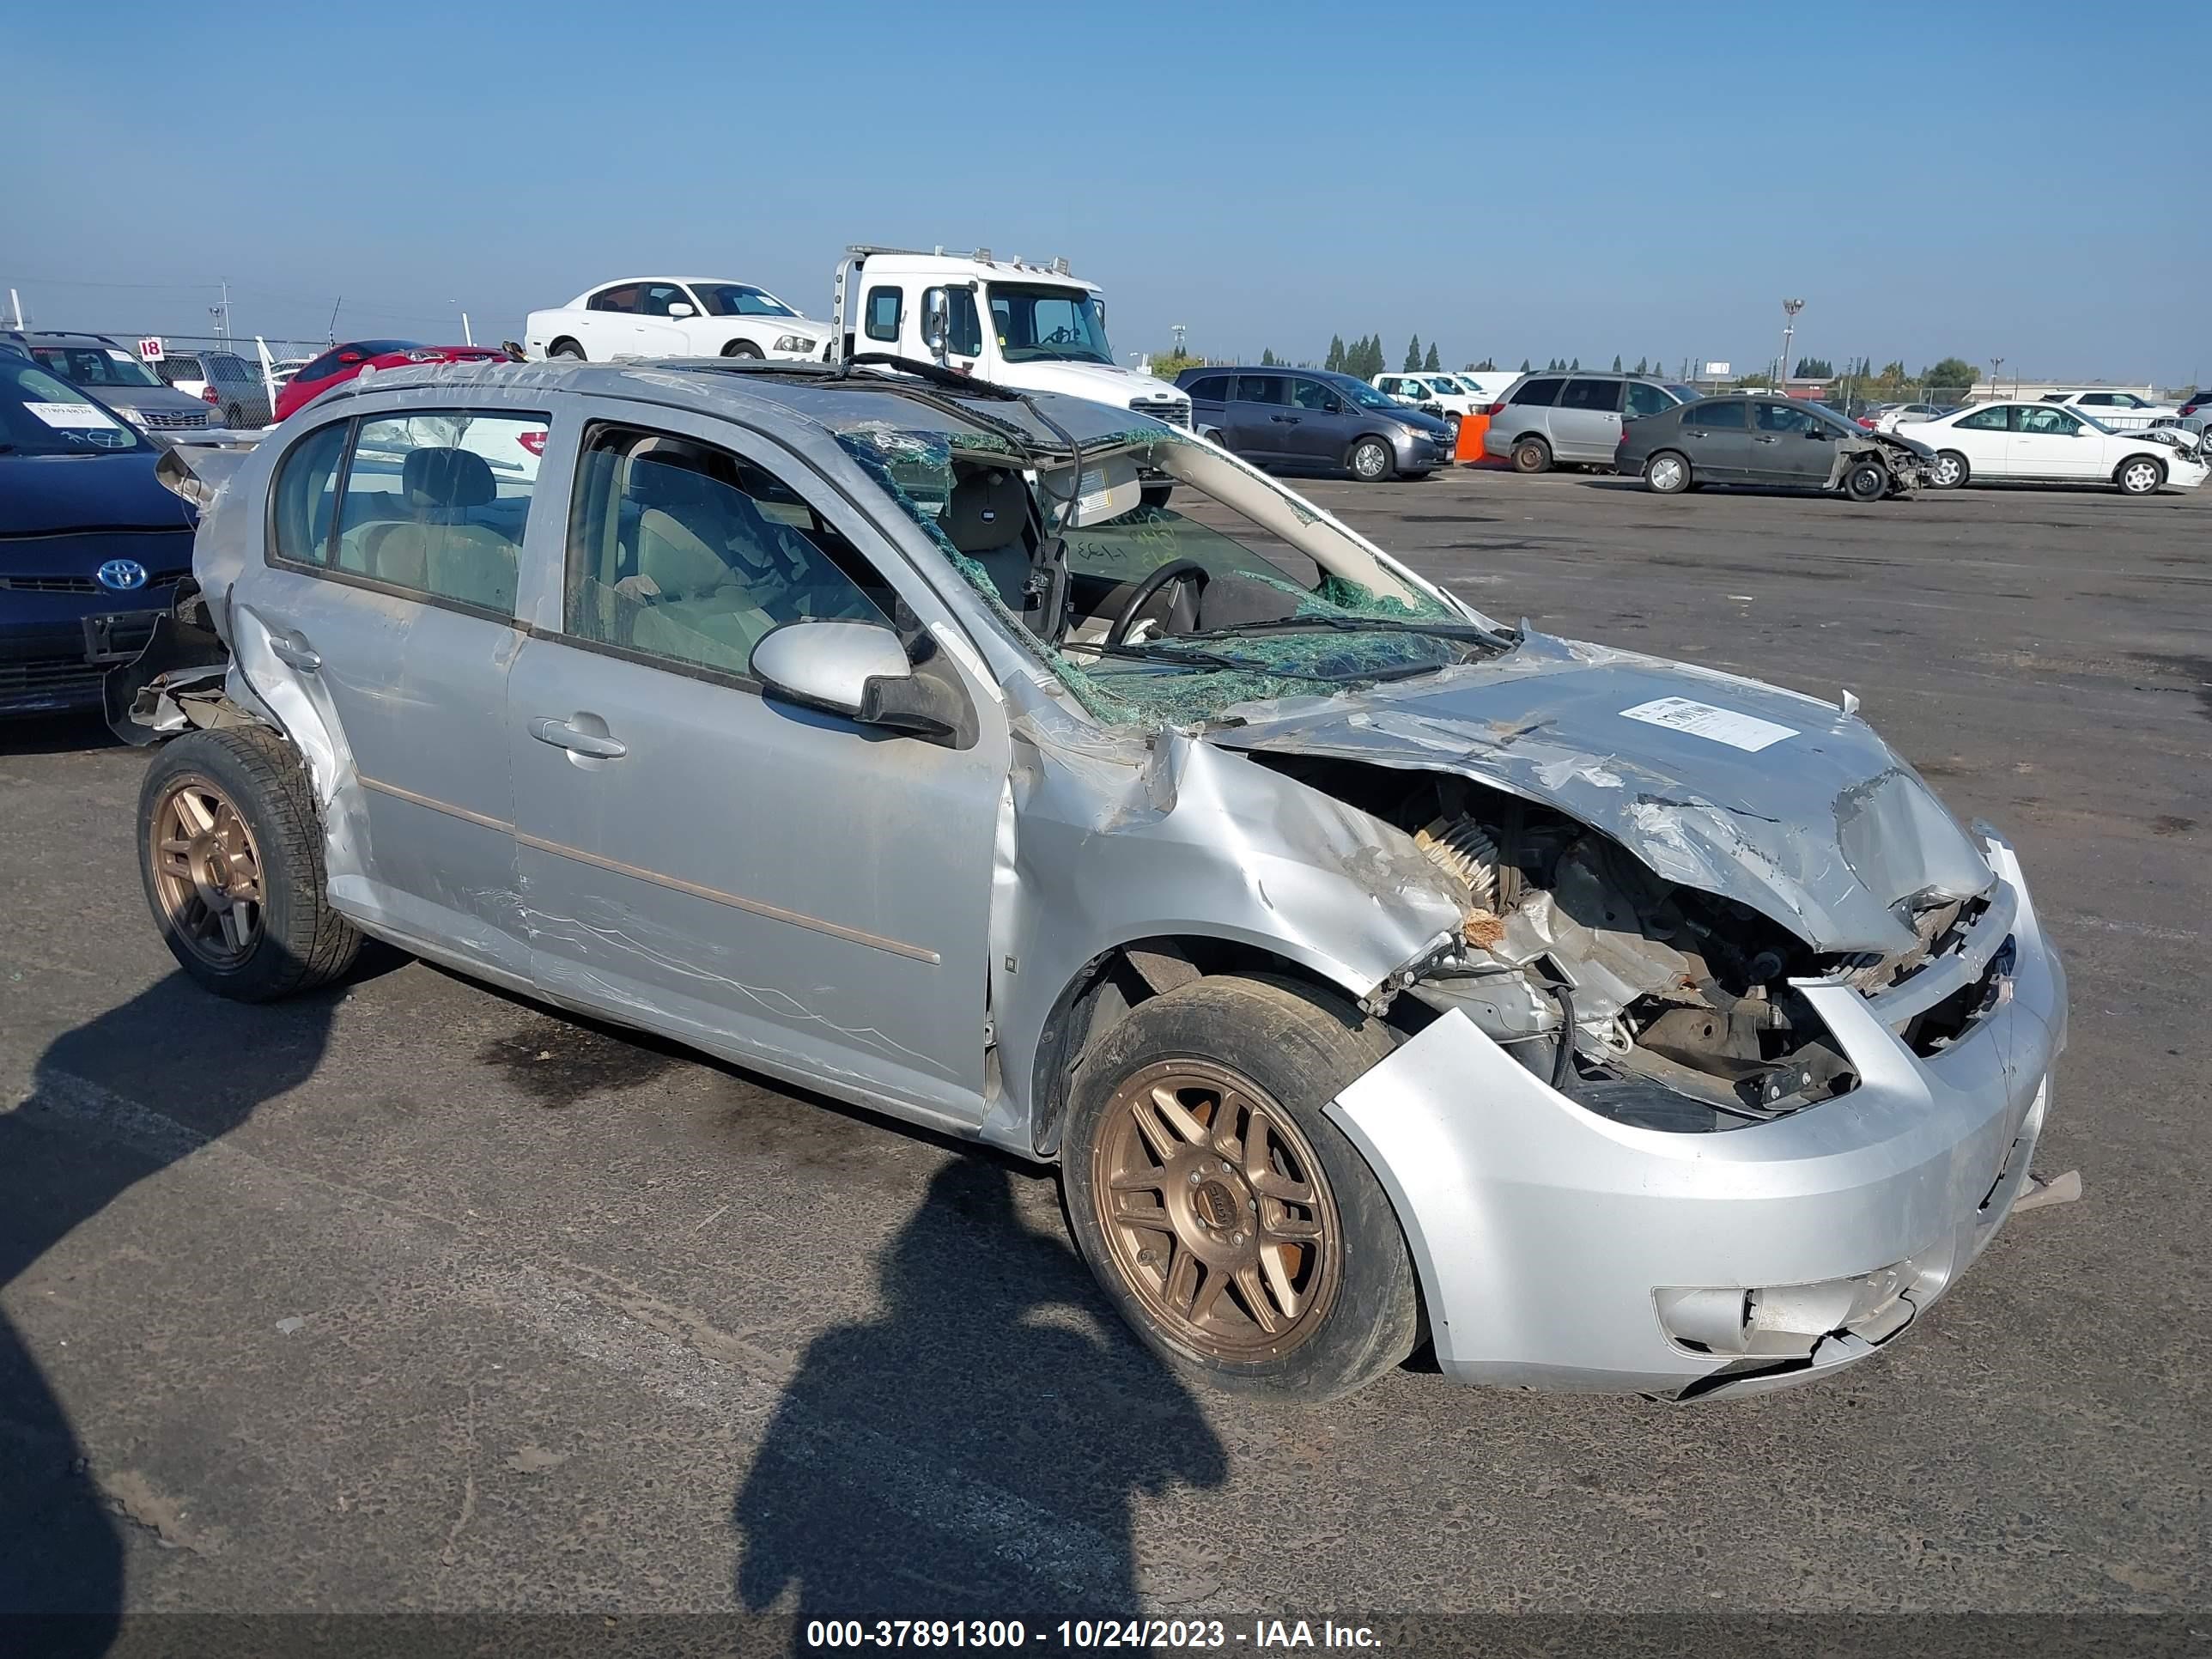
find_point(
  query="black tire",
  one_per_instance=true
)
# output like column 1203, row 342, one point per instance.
column 299, row 942
column 1866, row 480
column 1666, row 472
column 1299, row 1047
column 1949, row 471
column 1154, row 495
column 568, row 350
column 1532, row 455
column 742, row 349
column 2140, row 475
column 1370, row 461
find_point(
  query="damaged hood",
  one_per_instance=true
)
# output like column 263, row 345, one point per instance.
column 1780, row 802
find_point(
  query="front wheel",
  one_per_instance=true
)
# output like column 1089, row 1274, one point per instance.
column 741, row 349
column 1948, row 471
column 1236, row 1229
column 566, row 350
column 230, row 848
column 2141, row 475
column 1370, row 460
column 1867, row 481
column 1666, row 474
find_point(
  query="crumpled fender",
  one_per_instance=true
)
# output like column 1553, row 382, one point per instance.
column 1124, row 838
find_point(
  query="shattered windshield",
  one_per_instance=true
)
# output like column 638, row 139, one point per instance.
column 1232, row 591
column 1042, row 322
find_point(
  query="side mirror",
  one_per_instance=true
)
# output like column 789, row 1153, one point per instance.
column 936, row 321
column 829, row 664
column 1334, row 406
column 859, row 670
column 679, row 311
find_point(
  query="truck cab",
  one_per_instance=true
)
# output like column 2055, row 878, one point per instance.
column 1028, row 327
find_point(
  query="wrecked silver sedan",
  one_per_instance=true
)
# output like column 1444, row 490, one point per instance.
column 1370, row 968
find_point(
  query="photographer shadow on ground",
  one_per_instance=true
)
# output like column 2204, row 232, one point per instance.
column 113, row 1101
column 975, row 1451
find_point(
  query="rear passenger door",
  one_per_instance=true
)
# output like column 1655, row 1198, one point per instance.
column 1718, row 434
column 1586, row 425
column 778, row 885
column 383, row 631
column 1260, row 420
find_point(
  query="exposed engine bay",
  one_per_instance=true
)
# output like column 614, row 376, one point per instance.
column 1648, row 1002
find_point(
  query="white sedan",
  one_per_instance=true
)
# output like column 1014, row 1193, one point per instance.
column 673, row 317
column 2042, row 443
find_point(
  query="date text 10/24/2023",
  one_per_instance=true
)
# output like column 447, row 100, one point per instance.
column 1262, row 1636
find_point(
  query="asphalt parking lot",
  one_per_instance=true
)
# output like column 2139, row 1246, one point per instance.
column 416, row 1297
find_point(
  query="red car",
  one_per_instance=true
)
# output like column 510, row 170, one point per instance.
column 342, row 362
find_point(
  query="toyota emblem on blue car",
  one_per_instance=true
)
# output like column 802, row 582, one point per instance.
column 122, row 575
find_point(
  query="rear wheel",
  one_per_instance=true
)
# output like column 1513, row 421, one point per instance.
column 2140, row 475
column 231, row 851
column 1532, row 455
column 741, row 349
column 566, row 349
column 1370, row 460
column 1667, row 473
column 1237, row 1230
column 1867, row 481
column 1948, row 471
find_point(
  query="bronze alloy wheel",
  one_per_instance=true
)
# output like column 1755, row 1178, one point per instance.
column 207, row 873
column 1216, row 1211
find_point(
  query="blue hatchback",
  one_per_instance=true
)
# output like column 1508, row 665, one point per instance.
column 91, row 545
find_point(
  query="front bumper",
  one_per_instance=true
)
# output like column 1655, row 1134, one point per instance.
column 55, row 666
column 1423, row 453
column 1548, row 1238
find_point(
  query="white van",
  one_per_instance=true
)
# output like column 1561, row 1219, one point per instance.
column 1443, row 395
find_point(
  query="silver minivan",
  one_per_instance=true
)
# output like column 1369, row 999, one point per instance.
column 1370, row 969
column 1572, row 419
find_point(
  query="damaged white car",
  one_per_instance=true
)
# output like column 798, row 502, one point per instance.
column 1373, row 970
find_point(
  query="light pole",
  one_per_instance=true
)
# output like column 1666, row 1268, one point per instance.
column 1790, row 310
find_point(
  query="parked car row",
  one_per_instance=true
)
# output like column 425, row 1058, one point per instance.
column 125, row 385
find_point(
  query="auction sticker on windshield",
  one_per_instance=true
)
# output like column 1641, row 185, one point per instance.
column 1703, row 720
column 67, row 416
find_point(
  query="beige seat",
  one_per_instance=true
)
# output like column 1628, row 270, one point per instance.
column 690, row 602
column 435, row 549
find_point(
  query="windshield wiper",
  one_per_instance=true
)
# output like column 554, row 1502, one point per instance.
column 1165, row 653
column 1467, row 631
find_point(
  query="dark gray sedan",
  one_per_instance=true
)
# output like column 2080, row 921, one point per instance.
column 1767, row 441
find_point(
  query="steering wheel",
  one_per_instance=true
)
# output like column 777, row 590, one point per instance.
column 1058, row 336
column 1148, row 589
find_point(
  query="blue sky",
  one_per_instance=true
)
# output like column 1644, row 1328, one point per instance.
column 2026, row 180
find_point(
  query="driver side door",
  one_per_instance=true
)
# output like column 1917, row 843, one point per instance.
column 786, row 888
column 1325, row 427
column 2050, row 443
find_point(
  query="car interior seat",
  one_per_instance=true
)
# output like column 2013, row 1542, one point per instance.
column 987, row 518
column 437, row 548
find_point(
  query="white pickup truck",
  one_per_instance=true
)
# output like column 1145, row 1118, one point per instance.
column 1029, row 327
column 673, row 317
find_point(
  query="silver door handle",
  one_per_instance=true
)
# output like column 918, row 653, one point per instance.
column 562, row 735
column 295, row 652
column 1762, row 440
